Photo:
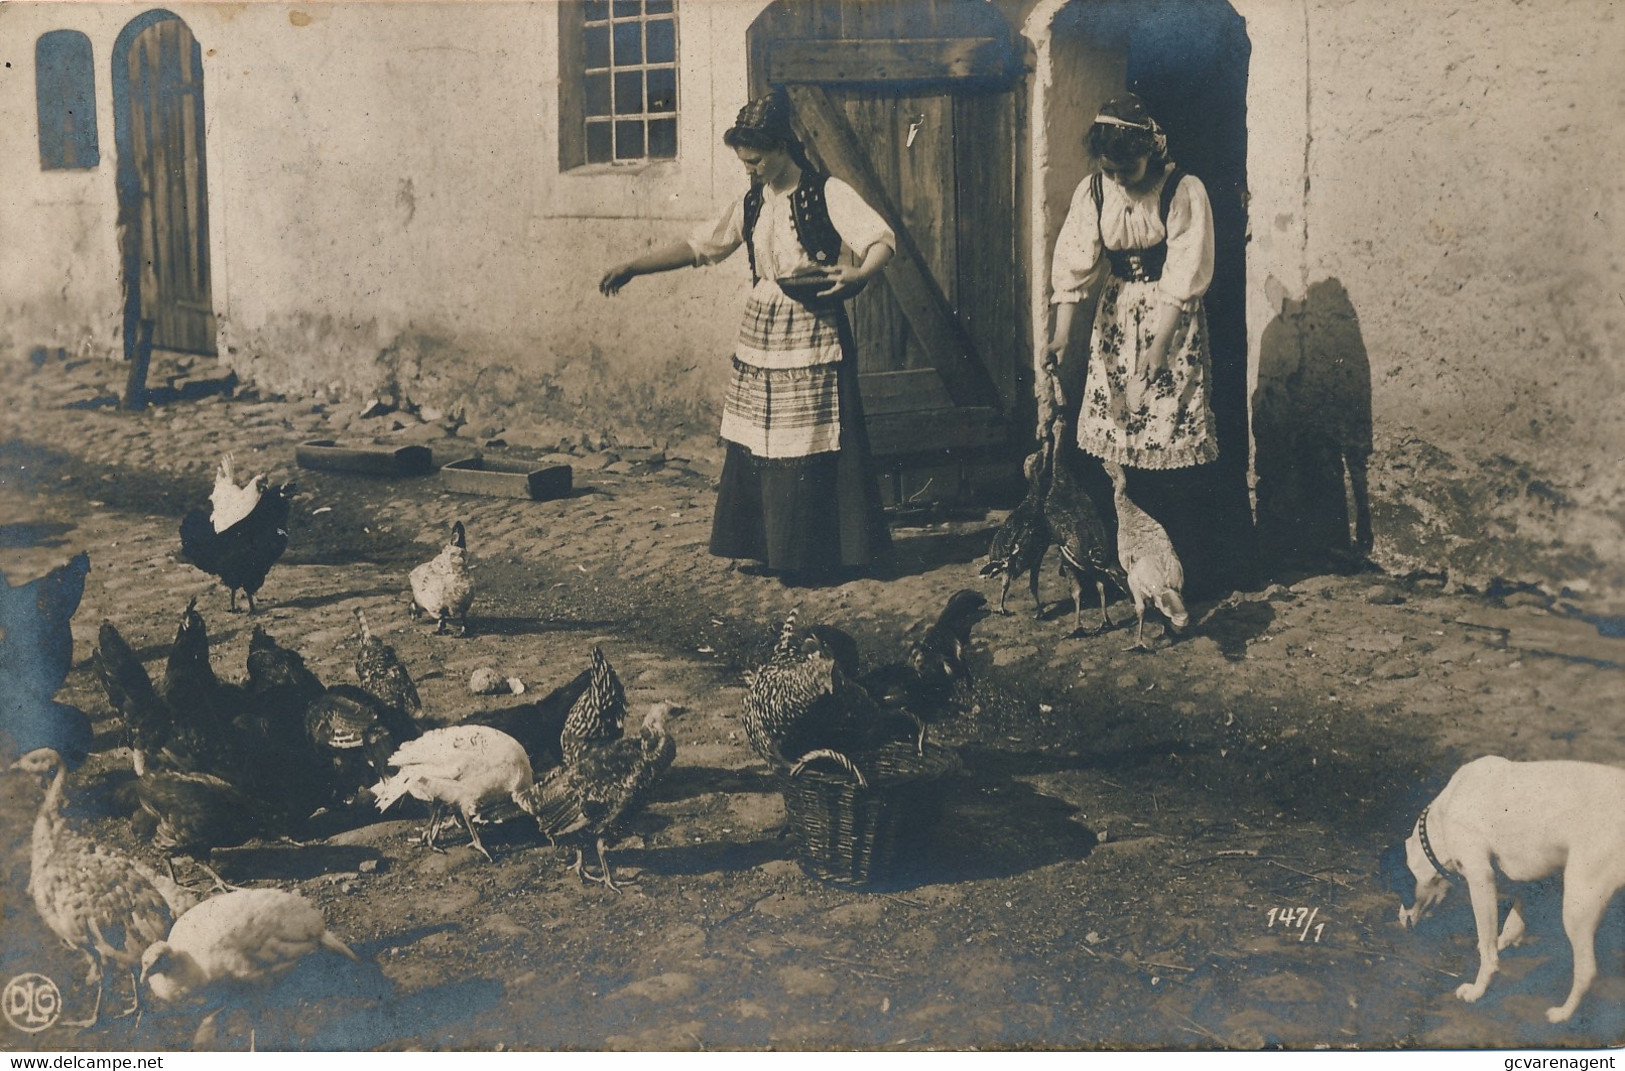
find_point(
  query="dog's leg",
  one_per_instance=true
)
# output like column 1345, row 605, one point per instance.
column 1513, row 929
column 1481, row 887
column 1583, row 905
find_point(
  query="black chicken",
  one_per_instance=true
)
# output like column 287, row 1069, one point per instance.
column 938, row 659
column 130, row 693
column 241, row 555
column 538, row 726
column 1021, row 541
column 590, row 799
column 598, row 715
column 382, row 674
column 188, row 814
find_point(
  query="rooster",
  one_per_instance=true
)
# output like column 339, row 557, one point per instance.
column 591, row 799
column 442, row 586
column 1021, row 541
column 228, row 502
column 240, row 555
column 1153, row 571
column 465, row 767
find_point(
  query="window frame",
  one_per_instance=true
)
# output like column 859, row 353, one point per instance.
column 572, row 97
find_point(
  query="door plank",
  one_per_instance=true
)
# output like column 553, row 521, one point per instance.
column 908, row 277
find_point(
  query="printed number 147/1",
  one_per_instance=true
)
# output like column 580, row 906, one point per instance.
column 1298, row 918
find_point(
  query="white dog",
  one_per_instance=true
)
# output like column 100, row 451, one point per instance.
column 1529, row 820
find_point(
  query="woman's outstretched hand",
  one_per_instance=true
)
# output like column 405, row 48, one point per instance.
column 614, row 279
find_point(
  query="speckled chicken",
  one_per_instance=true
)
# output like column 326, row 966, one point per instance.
column 241, row 554
column 249, row 937
column 443, row 586
column 599, row 715
column 801, row 706
column 96, row 899
column 383, row 674
column 464, row 767
column 1152, row 568
column 1021, row 541
column 590, row 800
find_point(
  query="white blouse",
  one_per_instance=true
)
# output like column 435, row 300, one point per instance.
column 778, row 251
column 1131, row 221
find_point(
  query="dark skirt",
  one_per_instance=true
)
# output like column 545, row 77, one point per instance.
column 807, row 516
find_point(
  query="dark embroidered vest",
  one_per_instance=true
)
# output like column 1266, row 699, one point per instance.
column 809, row 215
column 1138, row 265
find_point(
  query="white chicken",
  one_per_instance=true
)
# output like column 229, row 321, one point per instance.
column 229, row 502
column 251, row 936
column 462, row 766
column 1147, row 555
column 442, row 587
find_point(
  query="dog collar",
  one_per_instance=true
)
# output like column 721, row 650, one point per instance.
column 1427, row 847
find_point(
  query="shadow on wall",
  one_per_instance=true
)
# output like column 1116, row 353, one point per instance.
column 1312, row 429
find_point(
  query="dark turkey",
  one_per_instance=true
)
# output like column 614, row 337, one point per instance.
column 1087, row 555
column 1021, row 541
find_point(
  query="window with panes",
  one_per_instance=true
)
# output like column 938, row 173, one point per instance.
column 624, row 101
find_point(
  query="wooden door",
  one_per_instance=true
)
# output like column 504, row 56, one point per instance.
column 163, row 202
column 917, row 105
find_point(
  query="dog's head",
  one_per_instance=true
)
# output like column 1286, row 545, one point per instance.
column 1407, row 872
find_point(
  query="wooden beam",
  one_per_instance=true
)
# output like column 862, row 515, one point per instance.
column 901, row 392
column 926, row 59
column 909, row 278
column 937, row 432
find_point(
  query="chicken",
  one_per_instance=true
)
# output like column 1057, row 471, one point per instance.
column 442, row 586
column 463, row 766
column 1153, row 570
column 130, row 692
column 938, row 659
column 591, row 799
column 247, row 937
column 800, row 706
column 188, row 814
column 280, row 690
column 242, row 554
column 36, row 642
column 191, row 687
column 187, row 734
column 228, row 502
column 382, row 674
column 599, row 715
column 95, row 898
column 1021, row 541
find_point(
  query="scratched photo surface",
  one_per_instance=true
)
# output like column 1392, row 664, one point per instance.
column 370, row 682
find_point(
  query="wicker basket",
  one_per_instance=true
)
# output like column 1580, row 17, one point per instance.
column 851, row 835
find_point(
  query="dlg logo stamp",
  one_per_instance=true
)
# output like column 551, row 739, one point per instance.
column 31, row 1002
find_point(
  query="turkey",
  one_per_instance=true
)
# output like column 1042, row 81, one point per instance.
column 1080, row 535
column 465, row 767
column 1153, row 571
column 590, row 800
column 1020, row 542
column 442, row 586
column 99, row 901
column 241, row 555
column 382, row 674
column 353, row 736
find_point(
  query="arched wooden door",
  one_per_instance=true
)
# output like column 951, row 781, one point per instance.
column 917, row 103
column 162, row 183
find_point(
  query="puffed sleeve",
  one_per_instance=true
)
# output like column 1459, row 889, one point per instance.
column 714, row 241
column 1076, row 265
column 1188, row 271
column 858, row 225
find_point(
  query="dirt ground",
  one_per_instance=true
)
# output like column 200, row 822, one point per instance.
column 1166, row 850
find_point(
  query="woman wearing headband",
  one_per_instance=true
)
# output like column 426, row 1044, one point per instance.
column 1139, row 234
column 798, row 491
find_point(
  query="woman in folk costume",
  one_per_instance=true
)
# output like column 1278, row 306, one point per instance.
column 798, row 490
column 1139, row 234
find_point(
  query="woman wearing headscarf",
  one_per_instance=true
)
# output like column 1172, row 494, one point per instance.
column 1139, row 233
column 798, row 491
